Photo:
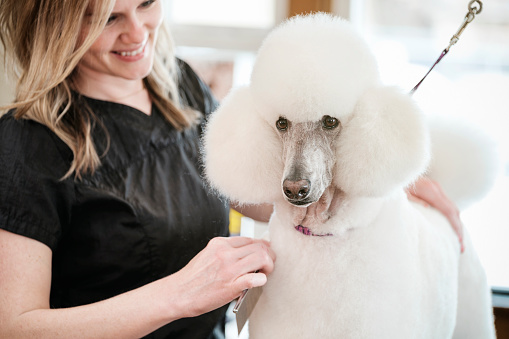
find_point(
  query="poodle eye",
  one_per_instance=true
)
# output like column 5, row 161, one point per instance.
column 282, row 124
column 329, row 122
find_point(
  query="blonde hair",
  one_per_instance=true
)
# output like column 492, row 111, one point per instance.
column 46, row 35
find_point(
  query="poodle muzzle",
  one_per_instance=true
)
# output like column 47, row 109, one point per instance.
column 308, row 157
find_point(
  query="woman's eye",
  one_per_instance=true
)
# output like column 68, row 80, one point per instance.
column 147, row 3
column 111, row 19
column 282, row 124
column 329, row 122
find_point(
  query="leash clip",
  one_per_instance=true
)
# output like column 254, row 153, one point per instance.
column 474, row 7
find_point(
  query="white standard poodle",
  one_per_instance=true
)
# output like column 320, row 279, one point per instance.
column 317, row 134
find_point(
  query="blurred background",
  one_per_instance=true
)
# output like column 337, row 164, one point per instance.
column 219, row 39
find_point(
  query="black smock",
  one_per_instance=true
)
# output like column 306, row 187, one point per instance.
column 141, row 216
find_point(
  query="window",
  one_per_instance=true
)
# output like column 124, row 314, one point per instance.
column 240, row 13
column 220, row 38
column 225, row 24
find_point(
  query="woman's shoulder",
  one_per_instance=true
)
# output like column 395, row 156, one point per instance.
column 33, row 197
column 24, row 141
column 193, row 91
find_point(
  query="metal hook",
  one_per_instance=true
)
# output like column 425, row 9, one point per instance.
column 474, row 7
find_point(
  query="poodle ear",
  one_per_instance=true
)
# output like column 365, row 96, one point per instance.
column 383, row 146
column 242, row 153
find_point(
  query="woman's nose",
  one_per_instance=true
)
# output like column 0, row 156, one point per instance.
column 134, row 32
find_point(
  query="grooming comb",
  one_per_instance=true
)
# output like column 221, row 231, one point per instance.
column 245, row 305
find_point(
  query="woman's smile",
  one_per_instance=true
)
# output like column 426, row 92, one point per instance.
column 131, row 55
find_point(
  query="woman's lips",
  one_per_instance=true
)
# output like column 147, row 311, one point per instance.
column 131, row 55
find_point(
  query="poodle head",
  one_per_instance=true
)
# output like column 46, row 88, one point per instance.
column 313, row 117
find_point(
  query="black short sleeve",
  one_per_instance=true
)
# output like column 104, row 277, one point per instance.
column 34, row 201
column 194, row 92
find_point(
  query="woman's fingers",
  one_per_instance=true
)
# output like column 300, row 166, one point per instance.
column 254, row 256
column 259, row 246
column 452, row 214
column 413, row 198
column 236, row 241
column 222, row 270
column 259, row 261
column 250, row 253
column 234, row 257
column 428, row 192
column 251, row 280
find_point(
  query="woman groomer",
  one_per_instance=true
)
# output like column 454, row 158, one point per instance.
column 105, row 219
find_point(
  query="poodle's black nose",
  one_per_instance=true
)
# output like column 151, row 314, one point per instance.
column 296, row 190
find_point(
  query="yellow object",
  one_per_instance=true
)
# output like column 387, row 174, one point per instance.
column 235, row 218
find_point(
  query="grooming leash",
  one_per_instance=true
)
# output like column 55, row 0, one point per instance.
column 474, row 8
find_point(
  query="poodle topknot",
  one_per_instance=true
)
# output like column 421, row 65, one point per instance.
column 309, row 67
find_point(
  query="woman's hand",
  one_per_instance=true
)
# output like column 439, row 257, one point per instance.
column 221, row 271
column 429, row 193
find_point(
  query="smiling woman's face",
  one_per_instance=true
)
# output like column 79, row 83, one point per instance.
column 125, row 48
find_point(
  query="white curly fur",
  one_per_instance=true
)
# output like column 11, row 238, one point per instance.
column 382, row 267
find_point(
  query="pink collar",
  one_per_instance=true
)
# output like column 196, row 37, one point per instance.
column 306, row 231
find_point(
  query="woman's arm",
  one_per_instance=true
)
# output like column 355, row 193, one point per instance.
column 261, row 212
column 429, row 193
column 213, row 278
